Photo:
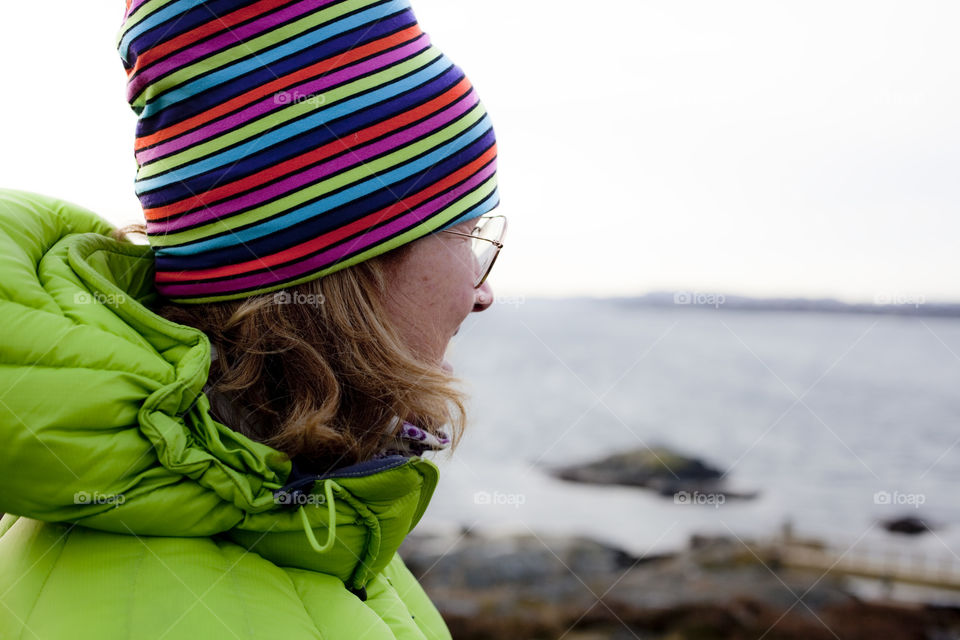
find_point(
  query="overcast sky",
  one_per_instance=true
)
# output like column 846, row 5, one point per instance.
column 767, row 148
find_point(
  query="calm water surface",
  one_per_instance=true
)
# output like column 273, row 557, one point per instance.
column 838, row 420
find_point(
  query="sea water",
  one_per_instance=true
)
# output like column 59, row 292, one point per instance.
column 839, row 421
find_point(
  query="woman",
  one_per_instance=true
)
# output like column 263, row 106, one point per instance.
column 218, row 434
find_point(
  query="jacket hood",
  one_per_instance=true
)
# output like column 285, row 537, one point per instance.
column 104, row 422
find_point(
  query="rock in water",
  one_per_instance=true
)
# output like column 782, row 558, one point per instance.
column 656, row 468
column 910, row 526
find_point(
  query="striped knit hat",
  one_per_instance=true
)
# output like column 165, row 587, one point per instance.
column 279, row 141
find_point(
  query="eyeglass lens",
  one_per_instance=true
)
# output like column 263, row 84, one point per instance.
column 485, row 252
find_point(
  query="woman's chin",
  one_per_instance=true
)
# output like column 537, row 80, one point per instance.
column 446, row 366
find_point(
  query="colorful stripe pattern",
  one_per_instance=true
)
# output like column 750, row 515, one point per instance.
column 280, row 141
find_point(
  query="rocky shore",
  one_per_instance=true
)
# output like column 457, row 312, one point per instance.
column 544, row 587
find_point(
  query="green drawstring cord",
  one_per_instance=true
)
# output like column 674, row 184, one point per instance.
column 361, row 591
column 331, row 522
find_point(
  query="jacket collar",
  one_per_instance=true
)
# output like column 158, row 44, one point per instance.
column 362, row 513
column 178, row 470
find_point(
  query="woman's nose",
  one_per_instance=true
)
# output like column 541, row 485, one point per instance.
column 483, row 297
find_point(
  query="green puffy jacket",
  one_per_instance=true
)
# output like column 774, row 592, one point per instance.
column 131, row 512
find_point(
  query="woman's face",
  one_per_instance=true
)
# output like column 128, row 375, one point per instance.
column 430, row 291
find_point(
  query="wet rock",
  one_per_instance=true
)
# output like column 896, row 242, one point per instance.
column 547, row 569
column 538, row 586
column 909, row 526
column 660, row 469
column 555, row 572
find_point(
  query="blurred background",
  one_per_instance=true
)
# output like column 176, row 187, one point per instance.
column 732, row 254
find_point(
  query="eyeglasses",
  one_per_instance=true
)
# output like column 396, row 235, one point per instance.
column 487, row 240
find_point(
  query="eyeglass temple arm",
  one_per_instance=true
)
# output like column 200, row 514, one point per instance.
column 497, row 243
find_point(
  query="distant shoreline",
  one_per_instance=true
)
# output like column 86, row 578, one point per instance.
column 689, row 299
